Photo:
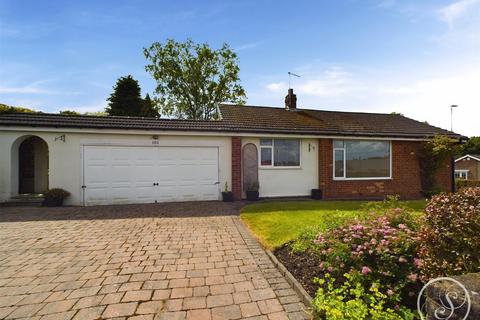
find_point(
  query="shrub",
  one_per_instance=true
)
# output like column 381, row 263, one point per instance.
column 390, row 202
column 395, row 211
column 460, row 183
column 351, row 300
column 379, row 249
column 54, row 197
column 450, row 236
column 56, row 193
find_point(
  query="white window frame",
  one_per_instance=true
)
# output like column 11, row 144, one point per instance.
column 344, row 178
column 272, row 148
column 460, row 171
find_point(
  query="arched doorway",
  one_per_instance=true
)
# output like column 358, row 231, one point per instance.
column 32, row 166
column 249, row 165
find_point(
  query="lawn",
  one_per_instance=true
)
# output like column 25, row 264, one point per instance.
column 277, row 222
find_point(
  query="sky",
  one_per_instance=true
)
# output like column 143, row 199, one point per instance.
column 412, row 57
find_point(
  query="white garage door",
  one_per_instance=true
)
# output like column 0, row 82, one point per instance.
column 116, row 175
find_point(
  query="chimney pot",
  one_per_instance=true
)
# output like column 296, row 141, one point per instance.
column 291, row 100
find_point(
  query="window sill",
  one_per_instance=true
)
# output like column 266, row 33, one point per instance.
column 361, row 179
column 278, row 168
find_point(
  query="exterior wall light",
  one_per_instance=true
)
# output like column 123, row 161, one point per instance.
column 61, row 138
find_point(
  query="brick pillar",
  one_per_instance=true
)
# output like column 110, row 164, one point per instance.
column 237, row 168
column 325, row 166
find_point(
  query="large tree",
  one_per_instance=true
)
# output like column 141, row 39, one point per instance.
column 149, row 107
column 193, row 79
column 126, row 100
column 472, row 146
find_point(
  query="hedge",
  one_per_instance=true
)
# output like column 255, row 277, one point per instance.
column 460, row 183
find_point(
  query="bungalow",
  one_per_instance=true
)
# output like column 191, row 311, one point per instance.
column 287, row 151
column 467, row 167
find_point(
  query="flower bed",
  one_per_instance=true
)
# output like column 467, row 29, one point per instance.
column 374, row 268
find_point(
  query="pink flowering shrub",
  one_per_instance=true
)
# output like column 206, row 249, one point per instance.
column 450, row 234
column 381, row 249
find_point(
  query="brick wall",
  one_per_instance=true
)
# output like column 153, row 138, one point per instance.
column 405, row 175
column 237, row 168
column 473, row 167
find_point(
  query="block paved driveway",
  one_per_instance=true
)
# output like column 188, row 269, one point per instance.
column 163, row 261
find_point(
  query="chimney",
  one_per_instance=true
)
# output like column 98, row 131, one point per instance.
column 291, row 100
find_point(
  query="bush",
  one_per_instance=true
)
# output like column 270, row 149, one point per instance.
column 390, row 202
column 460, row 183
column 56, row 193
column 450, row 236
column 54, row 197
column 395, row 211
column 351, row 300
column 382, row 249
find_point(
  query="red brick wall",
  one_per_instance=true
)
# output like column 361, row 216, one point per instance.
column 237, row 168
column 471, row 165
column 405, row 175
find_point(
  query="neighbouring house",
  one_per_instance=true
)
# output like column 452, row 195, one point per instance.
column 287, row 151
column 467, row 167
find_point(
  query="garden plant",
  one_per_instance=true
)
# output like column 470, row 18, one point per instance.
column 374, row 266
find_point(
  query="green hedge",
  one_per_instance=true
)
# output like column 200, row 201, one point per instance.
column 467, row 183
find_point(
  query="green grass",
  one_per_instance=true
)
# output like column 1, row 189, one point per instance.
column 277, row 222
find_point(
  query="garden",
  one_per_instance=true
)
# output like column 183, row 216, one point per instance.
column 369, row 260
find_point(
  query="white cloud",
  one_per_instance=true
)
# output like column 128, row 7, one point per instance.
column 334, row 81
column 277, row 86
column 24, row 90
column 331, row 82
column 424, row 95
column 246, row 46
column 455, row 10
column 429, row 99
column 34, row 88
column 89, row 107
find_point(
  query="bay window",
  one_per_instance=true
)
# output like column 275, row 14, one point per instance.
column 361, row 159
column 279, row 152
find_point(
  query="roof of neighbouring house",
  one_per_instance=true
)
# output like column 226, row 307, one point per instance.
column 472, row 156
column 248, row 119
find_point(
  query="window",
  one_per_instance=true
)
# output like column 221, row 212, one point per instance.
column 361, row 159
column 461, row 174
column 280, row 152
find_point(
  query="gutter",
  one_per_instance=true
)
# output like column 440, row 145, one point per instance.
column 242, row 131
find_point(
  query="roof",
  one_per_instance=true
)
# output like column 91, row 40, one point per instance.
column 473, row 156
column 247, row 119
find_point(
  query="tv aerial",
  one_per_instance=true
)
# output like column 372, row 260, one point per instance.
column 290, row 74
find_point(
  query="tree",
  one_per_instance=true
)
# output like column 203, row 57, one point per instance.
column 127, row 101
column 472, row 146
column 193, row 79
column 149, row 107
column 69, row 112
column 4, row 108
column 432, row 155
column 96, row 113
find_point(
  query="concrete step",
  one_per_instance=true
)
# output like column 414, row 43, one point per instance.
column 24, row 200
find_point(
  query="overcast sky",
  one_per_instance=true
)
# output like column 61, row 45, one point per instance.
column 412, row 57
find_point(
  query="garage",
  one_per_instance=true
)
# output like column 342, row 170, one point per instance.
column 133, row 174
